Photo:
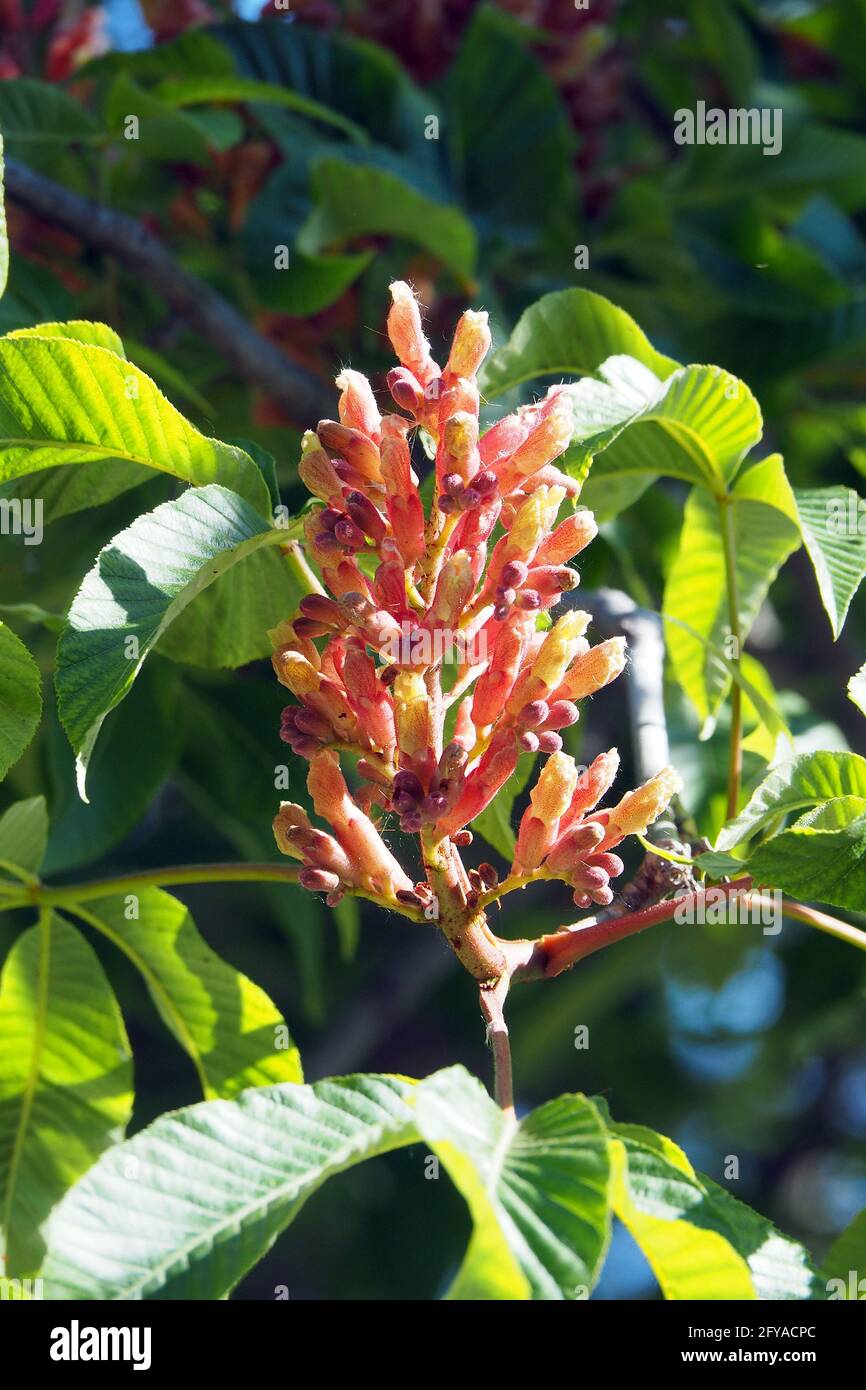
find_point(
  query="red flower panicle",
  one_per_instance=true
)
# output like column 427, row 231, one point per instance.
column 430, row 655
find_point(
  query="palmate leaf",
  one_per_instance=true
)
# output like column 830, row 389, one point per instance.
column 165, row 1214
column 20, row 698
column 568, row 333
column 141, row 581
column 65, row 1079
column 765, row 531
column 701, row 1242
column 833, row 522
column 805, row 781
column 228, row 1026
column 65, row 402
column 537, row 1190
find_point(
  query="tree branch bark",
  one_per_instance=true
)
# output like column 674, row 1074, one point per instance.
column 258, row 361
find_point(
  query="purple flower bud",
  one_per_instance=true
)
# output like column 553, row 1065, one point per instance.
column 448, row 504
column 501, row 612
column 549, row 743
column 318, row 881
column 529, row 600
column 486, row 482
column 533, row 714
column 408, row 783
column 452, row 483
column 514, row 574
column 563, row 713
column 528, row 742
column 411, row 823
column 470, row 498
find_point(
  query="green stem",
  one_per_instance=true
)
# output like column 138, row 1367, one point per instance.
column 735, row 759
column 297, row 562
column 69, row 895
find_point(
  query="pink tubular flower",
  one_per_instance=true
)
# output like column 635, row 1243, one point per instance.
column 372, row 861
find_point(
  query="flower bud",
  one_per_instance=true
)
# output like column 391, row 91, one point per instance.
column 406, row 390
column 357, row 408
column 591, row 786
column 574, row 847
column 356, row 448
column 494, row 685
column 290, row 817
column 569, row 538
column 593, row 670
column 407, row 335
column 561, row 715
column 470, row 345
column 365, row 516
column 318, row 881
column 549, row 437
column 370, row 857
column 638, row 809
column 316, row 470
column 404, row 506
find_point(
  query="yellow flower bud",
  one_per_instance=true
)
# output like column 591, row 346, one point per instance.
column 552, row 793
column 559, row 648
column 638, row 809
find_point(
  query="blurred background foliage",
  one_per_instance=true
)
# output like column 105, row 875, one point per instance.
column 473, row 149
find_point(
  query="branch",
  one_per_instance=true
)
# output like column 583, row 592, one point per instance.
column 246, row 350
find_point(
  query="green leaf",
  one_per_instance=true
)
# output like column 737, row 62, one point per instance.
column 568, row 333
column 834, row 534
column 764, row 536
column 228, row 1026
column 847, row 1254
column 227, row 624
column 537, row 1190
column 717, row 865
column 20, row 698
column 689, row 1263
column 494, row 823
column 137, row 750
column 78, row 331
column 161, row 133
column 65, row 1079
column 762, row 708
column 64, row 402
column 698, row 424
column 24, row 834
column 820, row 864
column 509, row 136
column 158, row 1215
column 857, row 689
column 41, row 126
column 359, row 200
column 142, row 579
column 806, row 781
column 700, row 1241
column 196, row 91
